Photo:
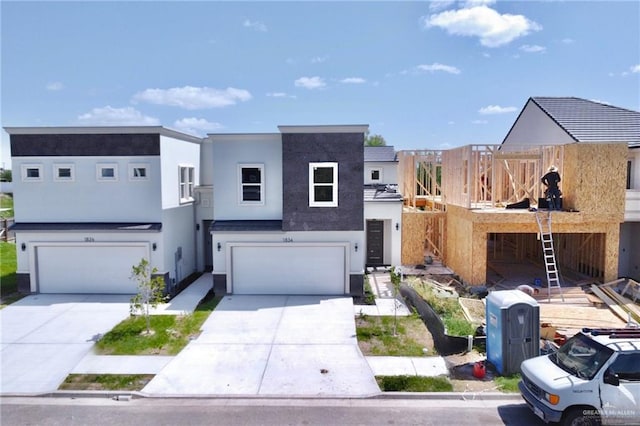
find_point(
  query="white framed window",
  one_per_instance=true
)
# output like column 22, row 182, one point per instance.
column 186, row 176
column 63, row 172
column 138, row 171
column 32, row 172
column 376, row 175
column 251, row 179
column 323, row 184
column 107, row 172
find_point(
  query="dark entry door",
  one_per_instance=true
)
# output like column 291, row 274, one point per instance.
column 375, row 242
column 208, row 245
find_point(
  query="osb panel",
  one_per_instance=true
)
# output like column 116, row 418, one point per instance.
column 413, row 237
column 594, row 178
column 459, row 247
column 611, row 252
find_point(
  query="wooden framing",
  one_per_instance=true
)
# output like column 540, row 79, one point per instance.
column 471, row 185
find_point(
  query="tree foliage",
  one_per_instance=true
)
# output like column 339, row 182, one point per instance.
column 150, row 290
column 5, row 175
column 374, row 140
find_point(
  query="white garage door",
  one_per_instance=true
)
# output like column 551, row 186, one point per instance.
column 288, row 269
column 88, row 268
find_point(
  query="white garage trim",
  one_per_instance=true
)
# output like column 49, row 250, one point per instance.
column 77, row 267
column 288, row 268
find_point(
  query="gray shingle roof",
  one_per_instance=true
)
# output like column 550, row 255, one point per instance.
column 382, row 193
column 590, row 121
column 379, row 153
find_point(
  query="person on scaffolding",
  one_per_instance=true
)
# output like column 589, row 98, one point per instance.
column 552, row 193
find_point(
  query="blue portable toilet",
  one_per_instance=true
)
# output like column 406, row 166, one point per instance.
column 513, row 329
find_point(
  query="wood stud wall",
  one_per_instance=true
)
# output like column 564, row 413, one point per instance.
column 481, row 178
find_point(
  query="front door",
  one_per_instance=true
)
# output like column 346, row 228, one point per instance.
column 208, row 245
column 375, row 242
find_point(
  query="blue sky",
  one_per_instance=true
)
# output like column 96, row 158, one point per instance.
column 421, row 74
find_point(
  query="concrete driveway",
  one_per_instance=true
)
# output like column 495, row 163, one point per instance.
column 45, row 335
column 272, row 345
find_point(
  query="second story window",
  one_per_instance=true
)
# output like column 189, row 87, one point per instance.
column 186, row 176
column 63, row 172
column 323, row 184
column 107, row 172
column 32, row 172
column 376, row 175
column 138, row 171
column 251, row 177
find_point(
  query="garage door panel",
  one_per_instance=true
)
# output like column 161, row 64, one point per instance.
column 288, row 269
column 87, row 269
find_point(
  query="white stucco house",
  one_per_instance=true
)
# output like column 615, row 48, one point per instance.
column 299, row 211
column 90, row 202
column 382, row 206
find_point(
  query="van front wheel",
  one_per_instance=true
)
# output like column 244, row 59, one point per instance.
column 581, row 417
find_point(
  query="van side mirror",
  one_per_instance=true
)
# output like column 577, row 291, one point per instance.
column 611, row 378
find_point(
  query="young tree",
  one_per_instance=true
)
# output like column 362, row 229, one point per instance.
column 150, row 290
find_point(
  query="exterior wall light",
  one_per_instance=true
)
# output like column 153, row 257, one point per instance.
column 23, row 246
column 397, row 226
column 356, row 246
column 154, row 246
column 219, row 246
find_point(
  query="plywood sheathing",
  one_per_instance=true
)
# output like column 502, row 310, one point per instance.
column 467, row 232
column 594, row 178
column 422, row 231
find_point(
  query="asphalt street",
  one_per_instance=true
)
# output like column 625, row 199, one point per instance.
column 258, row 411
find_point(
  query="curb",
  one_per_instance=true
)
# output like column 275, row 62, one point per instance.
column 129, row 395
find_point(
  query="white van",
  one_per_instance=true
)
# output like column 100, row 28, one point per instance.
column 594, row 378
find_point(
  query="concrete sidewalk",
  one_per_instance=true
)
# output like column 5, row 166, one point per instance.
column 187, row 300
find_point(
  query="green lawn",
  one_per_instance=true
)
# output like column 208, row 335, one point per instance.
column 8, row 281
column 414, row 384
column 376, row 336
column 170, row 333
column 6, row 202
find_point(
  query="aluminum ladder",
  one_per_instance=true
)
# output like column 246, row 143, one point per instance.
column 548, row 252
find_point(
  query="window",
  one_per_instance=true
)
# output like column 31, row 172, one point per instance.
column 63, row 172
column 251, row 178
column 629, row 174
column 32, row 172
column 138, row 171
column 376, row 175
column 627, row 366
column 186, row 183
column 323, row 184
column 107, row 172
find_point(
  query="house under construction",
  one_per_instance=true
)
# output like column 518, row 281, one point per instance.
column 458, row 202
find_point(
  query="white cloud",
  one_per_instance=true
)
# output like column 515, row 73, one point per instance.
column 479, row 122
column 255, row 25
column 353, row 80
column 532, row 48
column 196, row 126
column 319, row 59
column 310, row 82
column 109, row 116
column 635, row 68
column 189, row 97
column 474, row 3
column 496, row 109
column 54, row 86
column 280, row 95
column 438, row 67
column 493, row 29
column 568, row 40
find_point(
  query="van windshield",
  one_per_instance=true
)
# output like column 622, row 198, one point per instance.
column 581, row 356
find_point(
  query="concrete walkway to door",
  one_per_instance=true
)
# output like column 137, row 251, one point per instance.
column 272, row 345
